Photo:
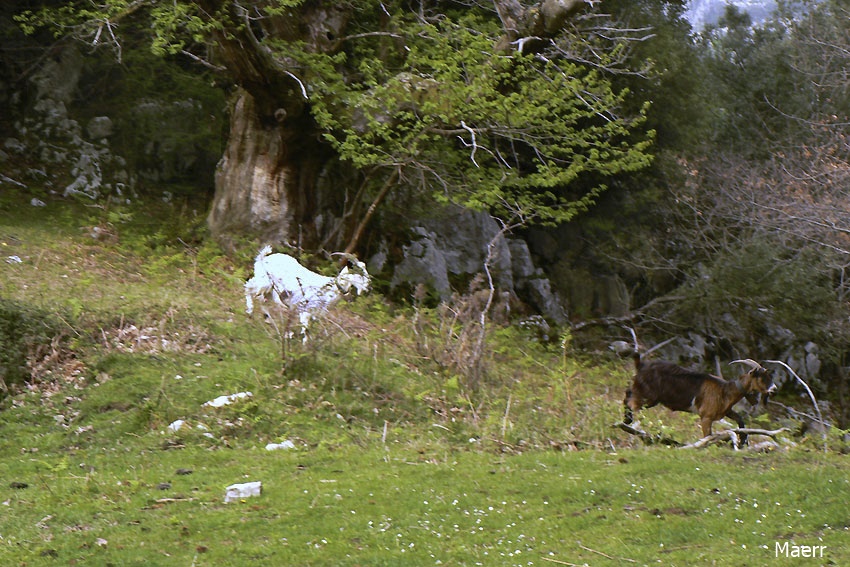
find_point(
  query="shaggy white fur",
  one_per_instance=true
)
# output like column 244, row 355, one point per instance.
column 282, row 279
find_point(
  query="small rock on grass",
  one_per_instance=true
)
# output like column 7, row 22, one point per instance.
column 236, row 492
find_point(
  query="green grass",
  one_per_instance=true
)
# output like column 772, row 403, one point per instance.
column 389, row 505
column 396, row 461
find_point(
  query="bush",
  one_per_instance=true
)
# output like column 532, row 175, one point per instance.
column 27, row 334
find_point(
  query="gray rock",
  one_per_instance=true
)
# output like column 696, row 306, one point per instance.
column 49, row 133
column 424, row 263
column 14, row 145
column 456, row 244
column 99, row 127
column 522, row 266
column 545, row 300
column 57, row 79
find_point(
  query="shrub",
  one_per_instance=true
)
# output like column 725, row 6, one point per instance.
column 27, row 334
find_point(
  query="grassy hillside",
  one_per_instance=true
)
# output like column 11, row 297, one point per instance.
column 130, row 322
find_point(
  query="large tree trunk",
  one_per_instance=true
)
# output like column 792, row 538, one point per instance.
column 542, row 19
column 267, row 182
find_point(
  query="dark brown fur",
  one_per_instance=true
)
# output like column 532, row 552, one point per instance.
column 665, row 383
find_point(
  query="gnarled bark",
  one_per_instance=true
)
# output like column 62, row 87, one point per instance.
column 267, row 182
column 543, row 19
column 251, row 185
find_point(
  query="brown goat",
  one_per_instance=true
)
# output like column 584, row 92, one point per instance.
column 659, row 382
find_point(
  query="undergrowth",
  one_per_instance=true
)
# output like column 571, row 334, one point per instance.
column 32, row 342
column 395, row 457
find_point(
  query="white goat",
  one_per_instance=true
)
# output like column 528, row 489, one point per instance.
column 289, row 284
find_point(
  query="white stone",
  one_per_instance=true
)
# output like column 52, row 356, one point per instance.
column 236, row 492
column 227, row 400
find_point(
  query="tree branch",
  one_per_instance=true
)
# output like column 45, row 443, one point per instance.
column 202, row 61
column 732, row 434
column 544, row 19
column 808, row 390
column 646, row 437
column 358, row 232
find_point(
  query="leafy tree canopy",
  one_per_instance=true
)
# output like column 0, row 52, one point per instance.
column 430, row 95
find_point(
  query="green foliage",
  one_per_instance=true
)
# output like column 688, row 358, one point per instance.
column 749, row 293
column 176, row 24
column 505, row 133
column 71, row 14
column 751, row 74
column 173, row 24
column 670, row 74
column 281, row 7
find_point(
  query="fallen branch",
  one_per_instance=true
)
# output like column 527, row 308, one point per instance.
column 161, row 502
column 559, row 562
column 733, row 435
column 681, row 547
column 646, row 437
column 725, row 435
column 4, row 179
column 631, row 430
column 584, row 547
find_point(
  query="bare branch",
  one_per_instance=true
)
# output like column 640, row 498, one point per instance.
column 646, row 437
column 808, row 390
column 733, row 435
column 473, row 143
column 297, row 80
column 358, row 232
column 204, row 62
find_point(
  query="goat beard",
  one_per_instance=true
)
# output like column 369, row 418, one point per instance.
column 757, row 398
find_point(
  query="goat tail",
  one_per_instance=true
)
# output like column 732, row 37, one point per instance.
column 265, row 251
column 260, row 268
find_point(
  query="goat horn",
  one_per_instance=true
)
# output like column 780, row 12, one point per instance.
column 354, row 261
column 749, row 362
column 350, row 257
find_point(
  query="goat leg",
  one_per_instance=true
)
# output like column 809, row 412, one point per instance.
column 705, row 424
column 732, row 414
column 628, row 415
